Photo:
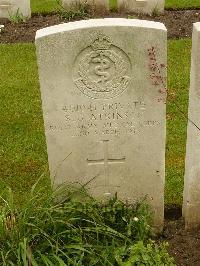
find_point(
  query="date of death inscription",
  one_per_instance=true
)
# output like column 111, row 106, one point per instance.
column 79, row 120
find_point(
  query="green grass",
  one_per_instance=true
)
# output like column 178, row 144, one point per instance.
column 178, row 83
column 45, row 6
column 23, row 156
column 113, row 4
column 182, row 4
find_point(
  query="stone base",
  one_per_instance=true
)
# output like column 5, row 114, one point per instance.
column 191, row 214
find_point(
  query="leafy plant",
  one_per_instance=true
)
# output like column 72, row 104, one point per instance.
column 155, row 12
column 140, row 254
column 17, row 17
column 68, row 227
column 77, row 10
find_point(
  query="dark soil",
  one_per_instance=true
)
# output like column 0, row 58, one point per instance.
column 179, row 24
column 184, row 245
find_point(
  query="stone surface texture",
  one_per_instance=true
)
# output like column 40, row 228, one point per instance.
column 103, row 96
column 142, row 6
column 9, row 8
column 191, row 198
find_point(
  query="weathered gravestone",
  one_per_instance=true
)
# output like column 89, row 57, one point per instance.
column 138, row 6
column 191, row 199
column 142, row 6
column 103, row 96
column 10, row 8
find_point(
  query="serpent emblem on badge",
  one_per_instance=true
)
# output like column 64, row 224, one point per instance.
column 102, row 70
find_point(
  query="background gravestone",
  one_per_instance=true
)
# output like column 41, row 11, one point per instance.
column 9, row 8
column 191, row 200
column 139, row 6
column 103, row 96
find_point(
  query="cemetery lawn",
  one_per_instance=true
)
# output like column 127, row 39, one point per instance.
column 23, row 157
column 45, row 6
column 179, row 56
column 186, row 4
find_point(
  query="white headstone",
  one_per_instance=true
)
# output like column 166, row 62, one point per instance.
column 103, row 96
column 9, row 8
column 191, row 199
column 142, row 6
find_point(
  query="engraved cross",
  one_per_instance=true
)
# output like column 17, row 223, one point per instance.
column 106, row 161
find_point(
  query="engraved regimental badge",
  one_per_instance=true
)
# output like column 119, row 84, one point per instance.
column 102, row 70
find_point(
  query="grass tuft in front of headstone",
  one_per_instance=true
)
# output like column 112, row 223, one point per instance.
column 17, row 17
column 77, row 11
column 75, row 230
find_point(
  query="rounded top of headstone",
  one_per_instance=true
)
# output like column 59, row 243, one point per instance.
column 95, row 23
